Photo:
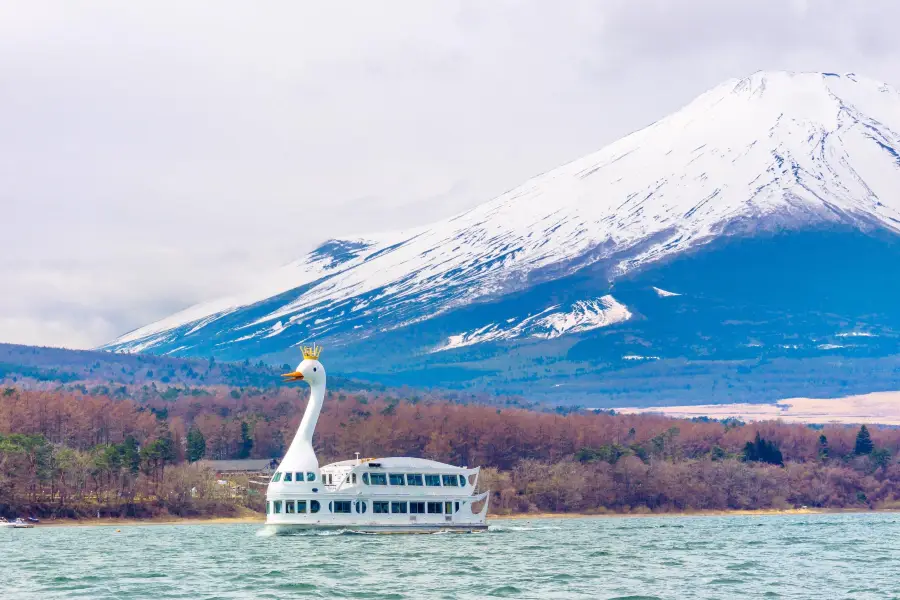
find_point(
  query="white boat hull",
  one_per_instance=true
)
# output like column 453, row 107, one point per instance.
column 462, row 520
column 289, row 528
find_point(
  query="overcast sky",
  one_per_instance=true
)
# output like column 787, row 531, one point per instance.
column 156, row 154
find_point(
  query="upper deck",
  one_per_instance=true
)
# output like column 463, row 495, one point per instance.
column 382, row 476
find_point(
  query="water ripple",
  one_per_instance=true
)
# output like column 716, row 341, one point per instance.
column 812, row 556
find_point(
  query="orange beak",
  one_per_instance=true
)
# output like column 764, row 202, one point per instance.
column 294, row 376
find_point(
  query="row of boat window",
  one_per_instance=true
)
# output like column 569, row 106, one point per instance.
column 289, row 477
column 414, row 508
column 360, row 506
column 413, row 479
column 292, row 506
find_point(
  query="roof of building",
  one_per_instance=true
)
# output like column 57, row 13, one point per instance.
column 396, row 462
column 251, row 464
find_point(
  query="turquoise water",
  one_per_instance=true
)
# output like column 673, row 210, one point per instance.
column 810, row 556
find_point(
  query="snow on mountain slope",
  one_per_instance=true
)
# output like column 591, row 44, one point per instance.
column 319, row 263
column 772, row 151
column 664, row 293
column 548, row 324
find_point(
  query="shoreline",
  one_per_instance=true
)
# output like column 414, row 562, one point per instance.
column 763, row 512
column 260, row 519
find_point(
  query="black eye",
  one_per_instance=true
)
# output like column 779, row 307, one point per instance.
column 314, row 368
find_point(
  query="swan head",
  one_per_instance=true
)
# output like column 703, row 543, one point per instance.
column 310, row 370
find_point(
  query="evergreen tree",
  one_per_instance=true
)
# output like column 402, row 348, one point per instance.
column 718, row 453
column 774, row 455
column 863, row 441
column 823, row 447
column 277, row 443
column 131, row 457
column 246, row 441
column 109, row 459
column 761, row 450
column 166, row 446
column 880, row 457
column 196, row 445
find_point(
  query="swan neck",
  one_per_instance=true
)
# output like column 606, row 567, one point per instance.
column 311, row 415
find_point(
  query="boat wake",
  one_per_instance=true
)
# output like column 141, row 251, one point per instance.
column 515, row 528
column 267, row 532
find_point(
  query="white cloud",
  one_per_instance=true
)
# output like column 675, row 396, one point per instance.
column 155, row 154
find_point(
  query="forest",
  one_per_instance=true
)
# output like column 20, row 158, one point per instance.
column 77, row 452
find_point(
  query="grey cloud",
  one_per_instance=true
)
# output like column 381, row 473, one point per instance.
column 157, row 154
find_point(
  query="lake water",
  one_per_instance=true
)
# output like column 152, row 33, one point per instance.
column 808, row 556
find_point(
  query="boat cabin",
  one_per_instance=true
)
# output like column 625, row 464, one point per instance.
column 402, row 488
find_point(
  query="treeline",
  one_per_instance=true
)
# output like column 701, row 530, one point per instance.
column 38, row 478
column 44, row 368
column 71, row 453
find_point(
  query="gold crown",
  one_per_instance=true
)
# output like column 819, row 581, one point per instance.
column 311, row 352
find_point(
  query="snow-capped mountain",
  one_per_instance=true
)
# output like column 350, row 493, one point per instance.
column 556, row 262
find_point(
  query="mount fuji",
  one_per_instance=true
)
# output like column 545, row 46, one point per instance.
column 746, row 247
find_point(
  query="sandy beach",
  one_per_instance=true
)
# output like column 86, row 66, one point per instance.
column 144, row 522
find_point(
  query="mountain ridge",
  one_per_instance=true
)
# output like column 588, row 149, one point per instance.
column 771, row 153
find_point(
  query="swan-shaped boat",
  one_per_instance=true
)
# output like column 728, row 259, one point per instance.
column 395, row 494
